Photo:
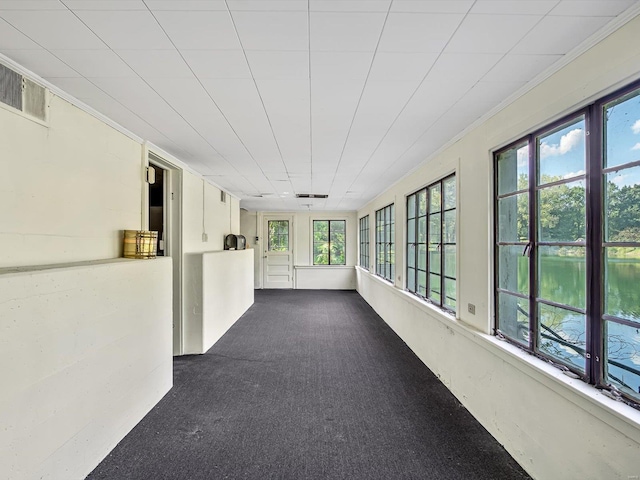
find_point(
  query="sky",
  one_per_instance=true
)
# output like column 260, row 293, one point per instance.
column 562, row 153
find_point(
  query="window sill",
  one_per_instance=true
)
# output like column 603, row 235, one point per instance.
column 616, row 414
column 302, row 267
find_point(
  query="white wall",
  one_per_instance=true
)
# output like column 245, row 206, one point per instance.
column 85, row 353
column 67, row 190
column 306, row 275
column 554, row 426
column 248, row 228
column 220, row 291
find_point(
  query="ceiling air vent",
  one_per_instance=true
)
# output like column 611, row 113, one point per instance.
column 22, row 94
column 311, row 195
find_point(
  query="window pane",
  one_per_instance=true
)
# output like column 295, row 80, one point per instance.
column 513, row 218
column 622, row 275
column 562, row 335
column 411, row 206
column 622, row 128
column 562, row 275
column 422, row 256
column 449, row 193
column 434, row 198
column 513, row 269
column 622, row 200
column 450, row 293
column 411, row 231
column 434, row 287
column 434, row 259
column 422, row 230
column 422, row 283
column 450, row 261
column 449, row 227
column 434, row 228
column 622, row 346
column 561, row 213
column 422, row 202
column 562, row 153
column 411, row 280
column 513, row 317
column 513, row 169
column 320, row 254
column 411, row 256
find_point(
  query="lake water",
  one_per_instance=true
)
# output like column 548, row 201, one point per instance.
column 563, row 280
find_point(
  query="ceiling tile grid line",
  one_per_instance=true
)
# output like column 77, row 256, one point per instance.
column 216, row 105
column 153, row 89
column 235, row 27
column 344, row 146
column 508, row 99
column 407, row 102
column 392, row 163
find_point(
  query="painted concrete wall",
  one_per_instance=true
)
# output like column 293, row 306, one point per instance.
column 306, row 275
column 85, row 353
column 554, row 426
column 67, row 190
column 220, row 291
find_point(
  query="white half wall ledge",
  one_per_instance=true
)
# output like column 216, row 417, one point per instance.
column 554, row 426
column 325, row 277
column 87, row 352
column 219, row 290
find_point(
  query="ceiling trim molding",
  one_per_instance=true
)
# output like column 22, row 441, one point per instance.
column 57, row 91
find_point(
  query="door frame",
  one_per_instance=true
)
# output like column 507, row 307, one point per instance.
column 265, row 217
column 173, row 233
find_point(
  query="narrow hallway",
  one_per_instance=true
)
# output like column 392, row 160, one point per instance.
column 308, row 385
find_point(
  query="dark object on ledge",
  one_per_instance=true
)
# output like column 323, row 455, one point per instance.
column 235, row 242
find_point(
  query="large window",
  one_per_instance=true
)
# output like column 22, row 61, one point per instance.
column 329, row 242
column 364, row 242
column 385, row 247
column 431, row 243
column 568, row 243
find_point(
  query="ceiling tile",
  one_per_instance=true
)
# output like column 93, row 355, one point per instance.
column 41, row 63
column 55, row 29
column 283, row 31
column 12, row 39
column 95, row 63
column 105, row 4
column 410, row 32
column 279, row 64
column 597, row 8
column 268, row 5
column 156, row 63
column 467, row 68
column 208, row 30
column 79, row 87
column 520, row 7
column 131, row 30
column 520, row 67
column 345, row 32
column 217, row 63
column 187, row 5
column 490, row 33
column 432, row 6
column 401, row 66
column 349, row 5
column 340, row 65
column 558, row 35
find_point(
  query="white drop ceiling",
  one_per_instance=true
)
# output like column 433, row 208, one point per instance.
column 269, row 98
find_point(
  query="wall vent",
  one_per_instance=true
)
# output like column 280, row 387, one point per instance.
column 223, row 196
column 23, row 94
column 311, row 195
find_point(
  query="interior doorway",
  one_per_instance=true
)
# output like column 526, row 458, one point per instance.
column 163, row 214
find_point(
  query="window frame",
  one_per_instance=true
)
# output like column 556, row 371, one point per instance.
column 441, row 244
column 385, row 214
column 313, row 242
column 596, row 356
column 364, row 242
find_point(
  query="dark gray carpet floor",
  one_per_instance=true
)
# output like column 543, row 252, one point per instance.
column 308, row 385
